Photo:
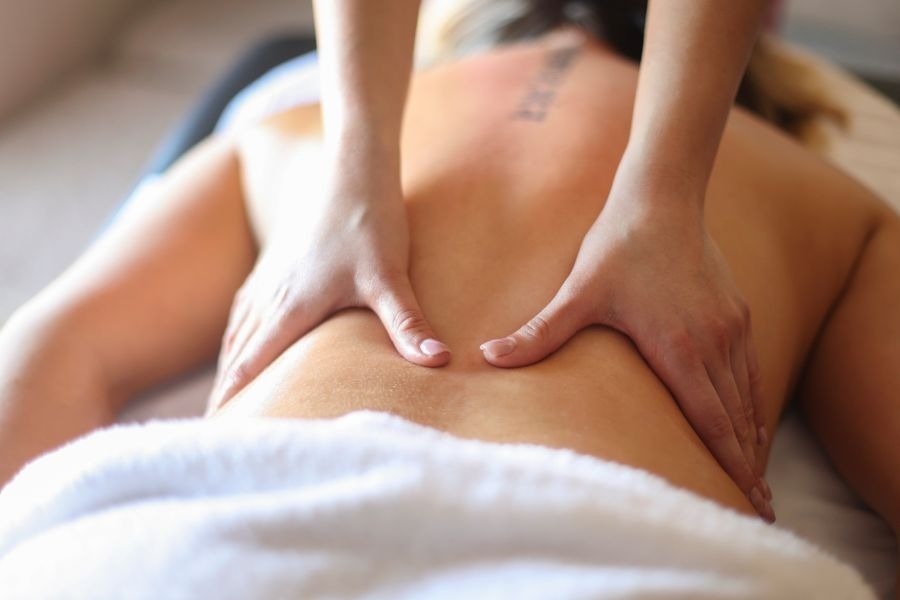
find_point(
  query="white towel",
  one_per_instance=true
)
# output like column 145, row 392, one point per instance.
column 372, row 506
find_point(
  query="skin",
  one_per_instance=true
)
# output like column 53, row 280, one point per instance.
column 813, row 251
column 359, row 254
column 647, row 267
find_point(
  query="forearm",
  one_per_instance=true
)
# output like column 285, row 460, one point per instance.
column 50, row 390
column 365, row 53
column 694, row 57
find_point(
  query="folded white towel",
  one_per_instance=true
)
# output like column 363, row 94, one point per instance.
column 370, row 505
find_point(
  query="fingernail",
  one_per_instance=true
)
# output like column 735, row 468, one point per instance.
column 762, row 438
column 498, row 348
column 761, row 505
column 432, row 347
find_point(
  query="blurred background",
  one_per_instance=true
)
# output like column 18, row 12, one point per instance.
column 89, row 87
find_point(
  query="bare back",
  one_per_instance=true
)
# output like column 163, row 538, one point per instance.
column 508, row 158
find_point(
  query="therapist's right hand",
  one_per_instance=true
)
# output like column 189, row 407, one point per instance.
column 350, row 249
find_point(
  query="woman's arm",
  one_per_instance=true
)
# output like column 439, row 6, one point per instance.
column 51, row 387
column 365, row 54
column 147, row 301
column 358, row 254
column 648, row 267
column 694, row 57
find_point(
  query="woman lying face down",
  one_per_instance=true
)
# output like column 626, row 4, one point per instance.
column 495, row 223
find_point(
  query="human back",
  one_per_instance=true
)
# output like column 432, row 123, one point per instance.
column 496, row 217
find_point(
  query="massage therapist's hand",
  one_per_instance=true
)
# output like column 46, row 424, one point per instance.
column 353, row 253
column 655, row 274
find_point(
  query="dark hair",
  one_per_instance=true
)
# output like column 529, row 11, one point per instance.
column 618, row 22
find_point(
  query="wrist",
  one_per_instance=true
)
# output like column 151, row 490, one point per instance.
column 362, row 169
column 362, row 143
column 663, row 166
column 659, row 185
column 344, row 125
column 359, row 160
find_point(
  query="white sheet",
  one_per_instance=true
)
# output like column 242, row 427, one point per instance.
column 370, row 505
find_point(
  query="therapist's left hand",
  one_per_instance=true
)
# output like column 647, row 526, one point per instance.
column 653, row 272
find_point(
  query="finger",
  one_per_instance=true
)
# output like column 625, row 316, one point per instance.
column 754, row 377
column 759, row 415
column 703, row 408
column 399, row 311
column 241, row 337
column 239, row 313
column 542, row 335
column 238, row 316
column 677, row 362
column 723, row 380
column 272, row 338
column 742, row 381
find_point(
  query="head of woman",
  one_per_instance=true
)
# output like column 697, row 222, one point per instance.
column 771, row 87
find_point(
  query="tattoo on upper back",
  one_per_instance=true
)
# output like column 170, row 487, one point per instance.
column 542, row 89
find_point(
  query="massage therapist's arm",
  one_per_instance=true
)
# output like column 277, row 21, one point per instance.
column 648, row 267
column 359, row 255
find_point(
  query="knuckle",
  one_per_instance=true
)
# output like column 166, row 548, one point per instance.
column 747, row 414
column 756, row 387
column 678, row 340
column 282, row 294
column 408, row 321
column 721, row 334
column 735, row 325
column 239, row 374
column 742, row 426
column 289, row 310
column 537, row 329
column 718, row 427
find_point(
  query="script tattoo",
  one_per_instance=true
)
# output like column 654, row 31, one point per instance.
column 542, row 89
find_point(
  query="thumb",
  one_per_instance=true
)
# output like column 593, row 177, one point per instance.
column 538, row 338
column 412, row 336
